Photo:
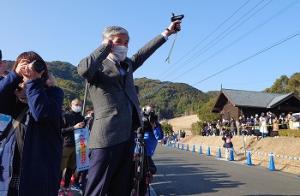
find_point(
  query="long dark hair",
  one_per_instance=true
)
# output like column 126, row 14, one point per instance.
column 31, row 56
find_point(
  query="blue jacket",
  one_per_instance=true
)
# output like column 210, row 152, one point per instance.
column 42, row 149
column 151, row 137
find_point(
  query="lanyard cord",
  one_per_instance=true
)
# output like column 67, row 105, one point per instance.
column 168, row 59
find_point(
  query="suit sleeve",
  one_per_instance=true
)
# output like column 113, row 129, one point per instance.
column 91, row 66
column 144, row 53
column 44, row 103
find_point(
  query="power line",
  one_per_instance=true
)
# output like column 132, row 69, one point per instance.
column 157, row 89
column 196, row 53
column 208, row 36
column 250, row 57
column 230, row 66
column 239, row 39
column 218, row 39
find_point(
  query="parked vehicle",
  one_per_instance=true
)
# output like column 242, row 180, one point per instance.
column 296, row 121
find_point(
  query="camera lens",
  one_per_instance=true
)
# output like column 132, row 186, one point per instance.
column 38, row 65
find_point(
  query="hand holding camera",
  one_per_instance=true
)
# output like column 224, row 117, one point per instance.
column 34, row 70
column 20, row 69
column 174, row 27
column 30, row 71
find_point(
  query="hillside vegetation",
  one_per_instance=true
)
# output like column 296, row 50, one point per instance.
column 286, row 84
column 171, row 99
column 68, row 79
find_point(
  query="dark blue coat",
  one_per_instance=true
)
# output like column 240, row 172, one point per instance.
column 42, row 150
column 151, row 137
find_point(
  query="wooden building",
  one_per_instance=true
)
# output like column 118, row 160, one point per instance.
column 234, row 103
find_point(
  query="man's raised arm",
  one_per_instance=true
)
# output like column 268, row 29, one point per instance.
column 91, row 66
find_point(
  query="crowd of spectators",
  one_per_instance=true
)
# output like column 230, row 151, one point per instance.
column 265, row 124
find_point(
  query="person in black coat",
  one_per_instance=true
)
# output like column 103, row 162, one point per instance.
column 36, row 159
column 71, row 120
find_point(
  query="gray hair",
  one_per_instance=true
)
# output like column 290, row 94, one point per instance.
column 113, row 30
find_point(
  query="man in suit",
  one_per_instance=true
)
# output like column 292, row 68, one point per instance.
column 117, row 112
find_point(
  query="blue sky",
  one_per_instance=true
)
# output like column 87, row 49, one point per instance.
column 69, row 30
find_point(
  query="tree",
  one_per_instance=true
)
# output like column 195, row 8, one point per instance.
column 205, row 112
column 279, row 86
column 167, row 128
column 294, row 84
column 286, row 85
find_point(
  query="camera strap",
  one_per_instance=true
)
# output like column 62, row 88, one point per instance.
column 168, row 59
column 85, row 97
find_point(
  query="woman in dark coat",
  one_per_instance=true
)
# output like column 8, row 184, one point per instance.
column 36, row 160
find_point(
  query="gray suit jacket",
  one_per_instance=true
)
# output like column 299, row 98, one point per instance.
column 114, row 97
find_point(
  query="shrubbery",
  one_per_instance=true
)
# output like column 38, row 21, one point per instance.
column 196, row 128
column 289, row 132
column 167, row 128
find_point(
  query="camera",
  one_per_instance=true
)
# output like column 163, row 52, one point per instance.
column 177, row 17
column 38, row 65
column 149, row 117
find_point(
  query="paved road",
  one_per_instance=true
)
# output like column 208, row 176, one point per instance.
column 185, row 173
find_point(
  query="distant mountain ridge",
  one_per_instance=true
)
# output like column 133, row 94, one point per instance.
column 171, row 99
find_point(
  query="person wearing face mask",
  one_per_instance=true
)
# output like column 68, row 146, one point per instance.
column 71, row 120
column 30, row 159
column 109, row 73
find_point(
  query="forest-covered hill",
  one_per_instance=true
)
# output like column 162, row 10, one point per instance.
column 171, row 99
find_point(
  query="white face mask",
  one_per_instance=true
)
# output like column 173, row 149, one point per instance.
column 76, row 109
column 119, row 53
